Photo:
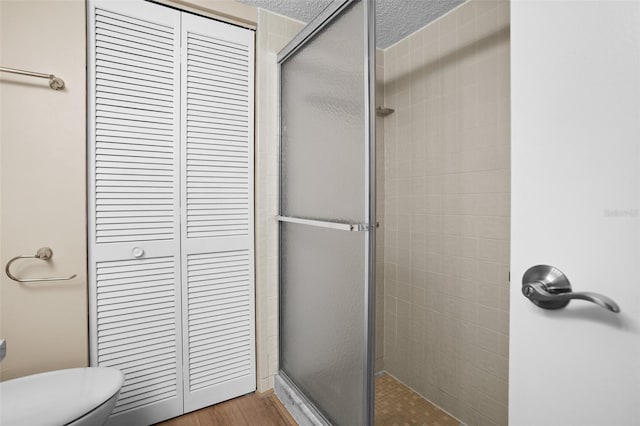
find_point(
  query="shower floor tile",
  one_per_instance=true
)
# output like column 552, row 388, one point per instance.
column 397, row 405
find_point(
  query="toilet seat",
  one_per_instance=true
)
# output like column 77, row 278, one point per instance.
column 56, row 398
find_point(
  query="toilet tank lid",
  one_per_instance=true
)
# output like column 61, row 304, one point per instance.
column 57, row 397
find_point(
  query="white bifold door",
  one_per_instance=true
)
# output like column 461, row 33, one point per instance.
column 171, row 246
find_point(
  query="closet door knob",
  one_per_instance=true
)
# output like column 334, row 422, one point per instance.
column 137, row 252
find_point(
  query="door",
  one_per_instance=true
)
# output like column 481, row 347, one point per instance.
column 134, row 218
column 171, row 250
column 326, row 241
column 575, row 194
column 218, row 313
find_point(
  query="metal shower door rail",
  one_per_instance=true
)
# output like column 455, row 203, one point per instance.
column 314, row 27
column 341, row 226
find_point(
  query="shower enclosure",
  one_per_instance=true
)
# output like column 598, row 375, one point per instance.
column 443, row 158
column 327, row 208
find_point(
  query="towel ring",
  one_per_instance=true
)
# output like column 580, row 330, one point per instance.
column 43, row 253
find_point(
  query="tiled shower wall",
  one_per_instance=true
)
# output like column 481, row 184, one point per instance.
column 446, row 214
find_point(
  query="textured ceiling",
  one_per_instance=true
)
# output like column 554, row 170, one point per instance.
column 395, row 19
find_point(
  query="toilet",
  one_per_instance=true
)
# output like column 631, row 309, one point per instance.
column 74, row 397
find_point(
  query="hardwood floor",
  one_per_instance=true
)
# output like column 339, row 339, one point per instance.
column 248, row 410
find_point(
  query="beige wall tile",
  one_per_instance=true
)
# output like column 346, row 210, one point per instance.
column 446, row 177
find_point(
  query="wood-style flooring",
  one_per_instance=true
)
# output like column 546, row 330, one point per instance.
column 248, row 410
column 396, row 405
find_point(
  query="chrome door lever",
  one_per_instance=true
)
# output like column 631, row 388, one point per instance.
column 548, row 288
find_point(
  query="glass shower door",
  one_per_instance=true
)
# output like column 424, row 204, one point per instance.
column 326, row 212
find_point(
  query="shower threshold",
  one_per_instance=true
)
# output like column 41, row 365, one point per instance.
column 395, row 404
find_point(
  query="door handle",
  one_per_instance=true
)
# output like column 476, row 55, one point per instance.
column 548, row 288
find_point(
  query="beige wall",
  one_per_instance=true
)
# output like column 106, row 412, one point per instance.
column 42, row 185
column 446, row 225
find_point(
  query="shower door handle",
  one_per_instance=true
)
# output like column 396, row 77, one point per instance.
column 341, row 226
column 548, row 288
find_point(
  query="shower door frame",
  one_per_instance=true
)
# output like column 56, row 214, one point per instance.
column 324, row 19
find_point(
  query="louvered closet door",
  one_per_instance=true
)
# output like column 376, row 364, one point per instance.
column 134, row 205
column 217, row 213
